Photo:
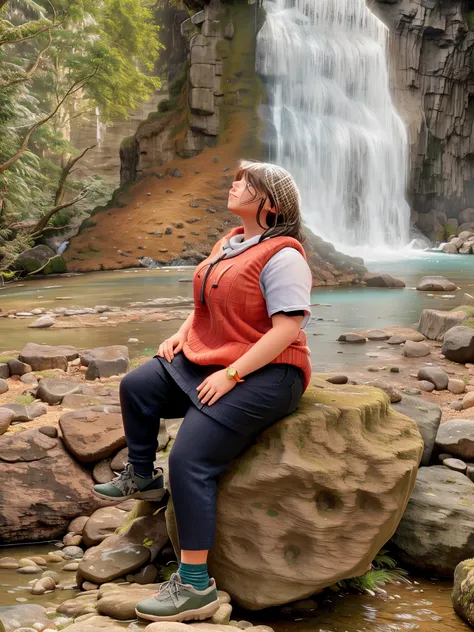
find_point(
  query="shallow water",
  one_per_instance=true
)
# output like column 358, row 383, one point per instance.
column 348, row 307
column 424, row 605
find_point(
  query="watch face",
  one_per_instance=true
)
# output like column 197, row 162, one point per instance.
column 231, row 371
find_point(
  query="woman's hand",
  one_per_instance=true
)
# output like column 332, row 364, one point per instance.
column 214, row 387
column 173, row 345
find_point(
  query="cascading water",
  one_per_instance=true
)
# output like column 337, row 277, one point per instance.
column 332, row 121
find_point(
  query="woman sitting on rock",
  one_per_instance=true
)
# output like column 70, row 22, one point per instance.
column 236, row 366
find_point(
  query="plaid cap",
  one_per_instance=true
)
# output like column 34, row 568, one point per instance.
column 278, row 182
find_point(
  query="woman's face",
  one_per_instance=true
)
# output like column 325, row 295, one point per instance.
column 244, row 200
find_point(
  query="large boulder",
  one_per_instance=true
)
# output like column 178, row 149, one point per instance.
column 458, row 344
column 435, row 533
column 315, row 498
column 436, row 284
column 34, row 259
column 101, row 524
column 456, row 437
column 43, row 357
column 94, row 433
column 427, row 417
column 42, row 488
column 463, row 591
column 382, row 280
column 107, row 368
column 434, row 324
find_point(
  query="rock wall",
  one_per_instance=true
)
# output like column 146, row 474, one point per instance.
column 433, row 83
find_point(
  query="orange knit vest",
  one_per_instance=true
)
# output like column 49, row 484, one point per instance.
column 230, row 313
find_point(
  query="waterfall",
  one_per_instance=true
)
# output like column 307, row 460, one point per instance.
column 331, row 120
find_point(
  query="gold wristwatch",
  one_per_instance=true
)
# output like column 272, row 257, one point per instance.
column 232, row 374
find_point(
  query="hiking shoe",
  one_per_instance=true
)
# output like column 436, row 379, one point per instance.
column 179, row 602
column 129, row 485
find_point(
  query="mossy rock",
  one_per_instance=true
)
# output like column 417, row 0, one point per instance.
column 463, row 590
column 56, row 265
column 450, row 230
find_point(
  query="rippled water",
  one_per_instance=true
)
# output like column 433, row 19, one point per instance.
column 424, row 605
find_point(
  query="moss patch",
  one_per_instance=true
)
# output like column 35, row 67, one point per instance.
column 24, row 399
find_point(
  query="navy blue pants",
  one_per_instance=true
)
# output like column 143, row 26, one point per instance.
column 205, row 445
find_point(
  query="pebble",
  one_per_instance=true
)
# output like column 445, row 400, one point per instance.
column 55, row 557
column 132, row 340
column 337, row 379
column 457, row 405
column 455, row 464
column 74, row 552
column 30, row 570
column 104, row 318
column 468, row 400
column 9, row 563
column 73, row 566
column 394, row 369
column 426, row 386
column 456, row 386
column 373, row 369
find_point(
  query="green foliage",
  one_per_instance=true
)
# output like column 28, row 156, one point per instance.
column 24, row 399
column 102, row 56
column 384, row 571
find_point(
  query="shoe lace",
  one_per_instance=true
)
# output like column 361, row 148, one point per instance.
column 124, row 481
column 170, row 589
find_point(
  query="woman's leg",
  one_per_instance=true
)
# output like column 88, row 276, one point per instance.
column 203, row 449
column 147, row 395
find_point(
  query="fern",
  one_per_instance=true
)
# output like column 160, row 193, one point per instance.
column 384, row 571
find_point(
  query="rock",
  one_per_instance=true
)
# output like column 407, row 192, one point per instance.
column 119, row 602
column 77, row 525
column 72, row 552
column 94, row 433
column 101, row 524
column 450, row 249
column 352, row 338
column 121, row 459
column 456, row 465
column 118, row 555
column 396, row 340
column 34, row 259
column 468, row 299
column 468, row 400
column 463, row 590
column 43, row 322
column 72, row 567
column 436, row 284
column 456, row 386
column 21, row 616
column 337, row 379
column 393, row 393
column 435, row 375
column 18, row 368
column 45, row 584
column 102, row 473
column 4, row 371
column 458, row 344
column 29, row 378
column 49, row 431
column 114, row 352
column 456, row 436
column 457, row 405
column 22, row 412
column 434, row 324
column 6, row 418
column 95, row 624
column 377, row 334
column 223, row 615
column 62, row 489
column 407, row 333
column 107, row 368
column 427, row 417
column 426, row 386
column 43, row 357
column 30, row 570
column 71, row 539
column 147, row 575
column 435, row 533
column 415, row 349
column 382, row 280
column 3, row 386
column 52, row 390
column 9, row 563
column 270, row 521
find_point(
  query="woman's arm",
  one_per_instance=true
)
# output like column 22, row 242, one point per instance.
column 283, row 333
column 186, row 326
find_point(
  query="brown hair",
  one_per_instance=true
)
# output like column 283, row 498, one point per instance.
column 276, row 184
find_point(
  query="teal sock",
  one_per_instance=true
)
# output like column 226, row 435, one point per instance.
column 194, row 574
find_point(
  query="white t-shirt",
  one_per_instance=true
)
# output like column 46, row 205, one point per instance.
column 285, row 280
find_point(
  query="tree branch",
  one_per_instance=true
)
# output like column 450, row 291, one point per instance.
column 42, row 223
column 78, row 85
column 58, row 198
column 33, row 68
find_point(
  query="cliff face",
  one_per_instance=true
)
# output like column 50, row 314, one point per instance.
column 431, row 56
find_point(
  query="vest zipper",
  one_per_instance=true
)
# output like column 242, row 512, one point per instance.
column 206, row 276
